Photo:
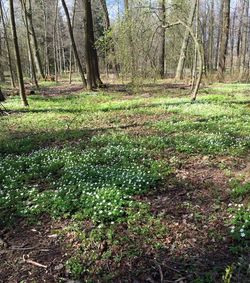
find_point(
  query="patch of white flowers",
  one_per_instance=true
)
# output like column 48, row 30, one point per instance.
column 239, row 220
column 95, row 183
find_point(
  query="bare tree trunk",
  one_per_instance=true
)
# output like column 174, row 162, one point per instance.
column 211, row 36
column 31, row 57
column 55, row 42
column 180, row 67
column 107, row 27
column 34, row 41
column 18, row 59
column 74, row 44
column 130, row 39
column 46, row 50
column 7, row 46
column 232, row 41
column 106, row 14
column 91, row 83
column 92, row 66
column 224, row 40
column 219, row 34
column 162, row 38
column 245, row 34
column 2, row 77
column 70, row 52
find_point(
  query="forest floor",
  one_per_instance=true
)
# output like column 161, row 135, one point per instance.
column 126, row 185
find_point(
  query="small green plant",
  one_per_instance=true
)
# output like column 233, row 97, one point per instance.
column 74, row 268
column 228, row 274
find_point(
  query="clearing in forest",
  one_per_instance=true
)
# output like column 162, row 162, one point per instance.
column 123, row 185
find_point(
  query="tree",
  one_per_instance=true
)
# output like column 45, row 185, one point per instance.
column 31, row 57
column 180, row 67
column 7, row 45
column 162, row 38
column 74, row 44
column 224, row 40
column 34, row 41
column 245, row 35
column 17, row 53
column 92, row 66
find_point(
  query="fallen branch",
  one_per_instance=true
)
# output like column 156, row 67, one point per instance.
column 34, row 262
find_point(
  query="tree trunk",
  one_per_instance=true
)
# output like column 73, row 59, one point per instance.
column 55, row 42
column 74, row 44
column 211, row 37
column 224, row 40
column 31, row 57
column 93, row 74
column 106, row 14
column 180, row 67
column 18, row 59
column 245, row 34
column 34, row 41
column 7, row 46
column 130, row 39
column 70, row 51
column 162, row 38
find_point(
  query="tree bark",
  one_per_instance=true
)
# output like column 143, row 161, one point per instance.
column 74, row 44
column 92, row 66
column 162, row 38
column 7, row 46
column 245, row 35
column 31, row 57
column 34, row 41
column 180, row 67
column 224, row 40
column 17, row 53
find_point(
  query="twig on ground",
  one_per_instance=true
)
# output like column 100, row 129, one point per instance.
column 34, row 262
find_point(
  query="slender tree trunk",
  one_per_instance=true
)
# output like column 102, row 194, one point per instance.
column 74, row 44
column 7, row 46
column 31, row 57
column 70, row 52
column 245, row 34
column 219, row 34
column 2, row 77
column 107, row 27
column 106, row 14
column 34, row 41
column 55, row 42
column 46, row 49
column 162, row 38
column 18, row 59
column 130, row 38
column 232, row 41
column 211, row 36
column 224, row 40
column 180, row 67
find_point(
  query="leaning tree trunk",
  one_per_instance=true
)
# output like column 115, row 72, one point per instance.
column 7, row 46
column 34, row 41
column 17, row 53
column 224, row 40
column 162, row 38
column 74, row 44
column 180, row 67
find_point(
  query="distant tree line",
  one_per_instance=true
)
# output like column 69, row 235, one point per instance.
column 179, row 39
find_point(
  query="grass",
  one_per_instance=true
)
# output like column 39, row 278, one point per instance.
column 115, row 162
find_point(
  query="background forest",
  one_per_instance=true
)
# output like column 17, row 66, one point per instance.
column 124, row 141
